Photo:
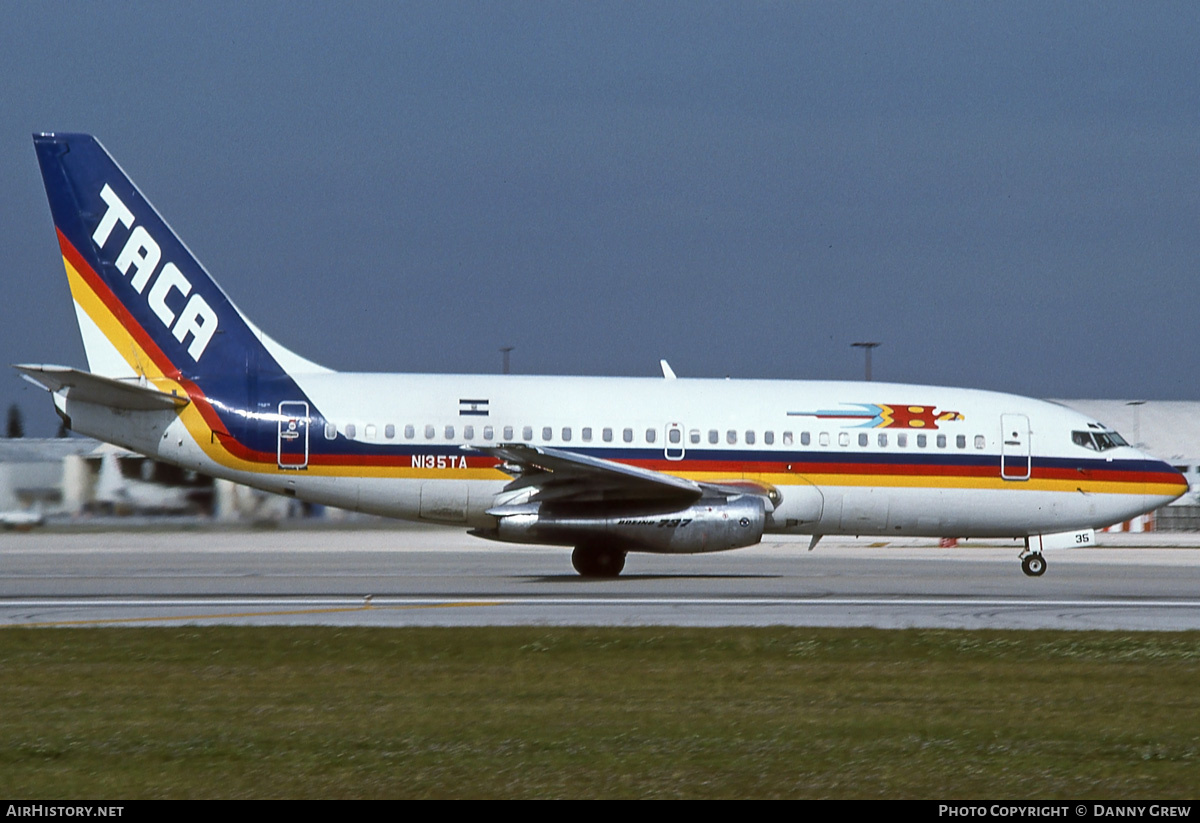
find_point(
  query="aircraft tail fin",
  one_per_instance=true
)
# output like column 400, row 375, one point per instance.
column 146, row 307
column 110, row 482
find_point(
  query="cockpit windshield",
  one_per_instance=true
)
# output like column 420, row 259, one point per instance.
column 1098, row 441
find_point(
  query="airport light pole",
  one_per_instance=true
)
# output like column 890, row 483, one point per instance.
column 504, row 350
column 866, row 347
column 1137, row 421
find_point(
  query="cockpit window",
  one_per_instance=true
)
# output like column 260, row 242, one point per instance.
column 1098, row 441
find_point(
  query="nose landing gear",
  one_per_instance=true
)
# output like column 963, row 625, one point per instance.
column 1033, row 564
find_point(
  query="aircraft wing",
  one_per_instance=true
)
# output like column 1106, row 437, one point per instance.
column 557, row 474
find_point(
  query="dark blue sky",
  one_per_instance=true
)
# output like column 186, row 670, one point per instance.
column 1007, row 195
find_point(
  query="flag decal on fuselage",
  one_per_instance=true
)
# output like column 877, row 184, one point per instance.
column 473, row 408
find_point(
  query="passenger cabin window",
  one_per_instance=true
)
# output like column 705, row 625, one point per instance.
column 960, row 441
column 980, row 441
column 674, row 437
column 370, row 431
column 863, row 439
column 883, row 440
column 469, row 432
column 749, row 437
column 586, row 434
column 487, row 432
column 651, row 435
column 449, row 432
column 902, row 440
column 823, row 438
column 941, row 441
column 714, row 436
column 769, row 438
column 351, row 430
column 547, row 433
column 627, row 435
column 731, row 437
column 330, row 431
column 527, row 433
column 429, row 432
column 843, row 438
column 922, row 440
column 566, row 434
column 607, row 435
column 410, row 432
column 694, row 436
column 389, row 431
column 508, row 432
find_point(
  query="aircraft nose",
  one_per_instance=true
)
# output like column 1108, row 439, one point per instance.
column 1165, row 483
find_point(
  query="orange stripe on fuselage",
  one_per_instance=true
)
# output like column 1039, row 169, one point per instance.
column 144, row 356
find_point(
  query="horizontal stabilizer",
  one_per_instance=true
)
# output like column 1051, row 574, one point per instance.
column 103, row 391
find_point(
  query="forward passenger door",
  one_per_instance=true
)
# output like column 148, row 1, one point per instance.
column 1016, row 461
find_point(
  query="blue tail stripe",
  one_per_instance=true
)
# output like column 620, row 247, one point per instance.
column 176, row 304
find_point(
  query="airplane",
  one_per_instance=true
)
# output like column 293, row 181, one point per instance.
column 122, row 494
column 605, row 465
column 21, row 520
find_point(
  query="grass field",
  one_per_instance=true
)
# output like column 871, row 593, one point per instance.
column 647, row 712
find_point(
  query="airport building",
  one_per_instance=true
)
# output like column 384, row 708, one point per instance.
column 72, row 478
column 44, row 476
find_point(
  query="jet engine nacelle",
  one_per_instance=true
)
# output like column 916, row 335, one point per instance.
column 710, row 525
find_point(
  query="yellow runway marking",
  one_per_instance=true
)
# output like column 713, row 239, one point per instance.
column 234, row 615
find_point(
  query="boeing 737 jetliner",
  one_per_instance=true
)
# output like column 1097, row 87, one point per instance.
column 606, row 465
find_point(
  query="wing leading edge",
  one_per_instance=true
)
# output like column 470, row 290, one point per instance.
column 565, row 476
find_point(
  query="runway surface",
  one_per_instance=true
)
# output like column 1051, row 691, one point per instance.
column 424, row 576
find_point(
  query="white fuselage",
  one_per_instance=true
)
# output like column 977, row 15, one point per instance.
column 400, row 446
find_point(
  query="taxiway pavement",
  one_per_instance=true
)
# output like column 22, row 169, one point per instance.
column 429, row 576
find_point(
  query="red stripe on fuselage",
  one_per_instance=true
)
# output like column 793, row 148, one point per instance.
column 132, row 327
column 114, row 305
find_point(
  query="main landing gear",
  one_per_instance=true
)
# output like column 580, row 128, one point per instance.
column 1032, row 563
column 598, row 561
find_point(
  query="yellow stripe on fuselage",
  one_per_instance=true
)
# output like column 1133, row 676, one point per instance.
column 926, row 481
column 143, row 364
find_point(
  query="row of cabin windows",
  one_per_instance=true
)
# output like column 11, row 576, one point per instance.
column 508, row 433
column 674, row 436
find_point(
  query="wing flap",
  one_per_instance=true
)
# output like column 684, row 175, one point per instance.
column 557, row 474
